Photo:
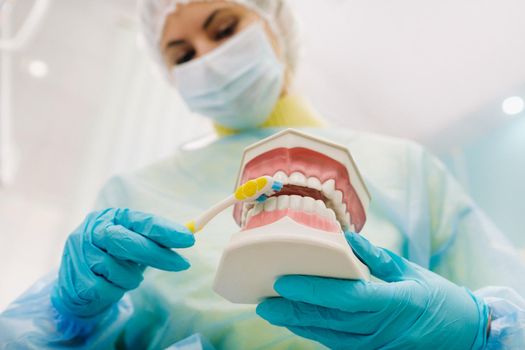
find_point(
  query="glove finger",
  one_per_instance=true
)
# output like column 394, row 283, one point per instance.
column 344, row 295
column 124, row 274
column 330, row 338
column 124, row 244
column 283, row 312
column 382, row 263
column 156, row 228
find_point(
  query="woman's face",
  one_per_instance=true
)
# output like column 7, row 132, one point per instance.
column 197, row 28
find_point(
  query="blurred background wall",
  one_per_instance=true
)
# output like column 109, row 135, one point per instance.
column 80, row 101
column 492, row 167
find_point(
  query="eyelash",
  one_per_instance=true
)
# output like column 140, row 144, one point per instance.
column 188, row 56
column 226, row 32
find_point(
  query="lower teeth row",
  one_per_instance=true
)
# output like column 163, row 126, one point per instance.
column 295, row 202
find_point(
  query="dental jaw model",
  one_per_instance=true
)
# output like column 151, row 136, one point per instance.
column 298, row 230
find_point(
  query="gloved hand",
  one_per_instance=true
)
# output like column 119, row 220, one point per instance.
column 106, row 256
column 414, row 309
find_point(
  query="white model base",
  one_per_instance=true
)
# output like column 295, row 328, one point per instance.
column 254, row 259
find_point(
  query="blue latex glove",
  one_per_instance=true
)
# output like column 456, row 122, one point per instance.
column 106, row 256
column 413, row 309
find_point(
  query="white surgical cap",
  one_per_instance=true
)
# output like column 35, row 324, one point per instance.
column 277, row 13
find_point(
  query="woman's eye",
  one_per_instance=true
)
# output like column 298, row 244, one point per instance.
column 185, row 57
column 226, row 31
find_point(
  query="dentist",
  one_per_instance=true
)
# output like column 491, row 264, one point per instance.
column 451, row 278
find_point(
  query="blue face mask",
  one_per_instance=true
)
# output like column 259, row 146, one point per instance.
column 238, row 84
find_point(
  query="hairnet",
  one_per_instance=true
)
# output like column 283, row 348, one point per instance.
column 277, row 13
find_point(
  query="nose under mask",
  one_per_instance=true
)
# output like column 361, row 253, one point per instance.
column 236, row 85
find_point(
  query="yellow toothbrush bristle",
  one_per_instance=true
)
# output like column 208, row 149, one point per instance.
column 261, row 183
column 250, row 188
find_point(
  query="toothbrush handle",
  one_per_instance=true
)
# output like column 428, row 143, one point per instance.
column 201, row 221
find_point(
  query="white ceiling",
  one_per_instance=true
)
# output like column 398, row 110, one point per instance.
column 411, row 68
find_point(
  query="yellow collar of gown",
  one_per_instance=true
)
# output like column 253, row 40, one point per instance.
column 290, row 111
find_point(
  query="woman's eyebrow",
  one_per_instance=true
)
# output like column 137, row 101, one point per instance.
column 210, row 18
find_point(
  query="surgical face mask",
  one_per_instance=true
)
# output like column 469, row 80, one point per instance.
column 237, row 84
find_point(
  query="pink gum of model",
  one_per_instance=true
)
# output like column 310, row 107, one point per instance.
column 310, row 163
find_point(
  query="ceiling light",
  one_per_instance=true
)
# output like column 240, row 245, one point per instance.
column 38, row 69
column 513, row 105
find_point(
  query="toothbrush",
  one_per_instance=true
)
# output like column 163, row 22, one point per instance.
column 256, row 190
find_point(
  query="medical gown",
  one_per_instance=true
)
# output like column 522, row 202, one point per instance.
column 418, row 210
